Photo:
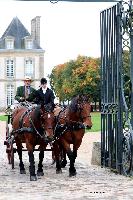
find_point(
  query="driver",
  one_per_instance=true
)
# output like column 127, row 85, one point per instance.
column 24, row 91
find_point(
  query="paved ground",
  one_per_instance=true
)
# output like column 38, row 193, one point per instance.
column 91, row 182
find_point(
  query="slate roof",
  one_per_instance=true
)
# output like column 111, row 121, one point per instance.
column 17, row 30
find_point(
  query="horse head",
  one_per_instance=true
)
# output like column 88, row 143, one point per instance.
column 84, row 110
column 47, row 120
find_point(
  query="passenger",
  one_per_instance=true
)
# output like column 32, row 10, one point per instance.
column 24, row 91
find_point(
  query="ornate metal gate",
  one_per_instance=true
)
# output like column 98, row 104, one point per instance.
column 116, row 25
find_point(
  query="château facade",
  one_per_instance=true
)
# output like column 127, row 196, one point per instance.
column 20, row 56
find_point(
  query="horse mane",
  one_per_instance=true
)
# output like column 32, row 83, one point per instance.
column 37, row 112
column 76, row 100
column 73, row 105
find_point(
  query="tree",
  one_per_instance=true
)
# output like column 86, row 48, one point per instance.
column 75, row 77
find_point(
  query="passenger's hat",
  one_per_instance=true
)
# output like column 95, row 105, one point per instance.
column 43, row 81
column 27, row 78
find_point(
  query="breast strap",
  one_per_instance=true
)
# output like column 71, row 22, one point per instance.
column 22, row 117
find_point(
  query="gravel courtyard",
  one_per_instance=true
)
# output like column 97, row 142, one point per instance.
column 91, row 182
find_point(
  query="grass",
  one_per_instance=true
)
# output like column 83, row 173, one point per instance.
column 96, row 122
column 3, row 118
column 95, row 117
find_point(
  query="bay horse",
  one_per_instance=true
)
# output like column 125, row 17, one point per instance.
column 33, row 126
column 70, row 129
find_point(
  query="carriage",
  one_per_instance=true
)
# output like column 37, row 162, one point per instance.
column 9, row 142
column 37, row 124
column 10, row 149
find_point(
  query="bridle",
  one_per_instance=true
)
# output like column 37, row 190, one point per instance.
column 45, row 115
column 80, row 109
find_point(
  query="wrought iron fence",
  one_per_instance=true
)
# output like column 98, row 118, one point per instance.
column 116, row 104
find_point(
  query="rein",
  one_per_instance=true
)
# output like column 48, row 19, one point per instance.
column 36, row 131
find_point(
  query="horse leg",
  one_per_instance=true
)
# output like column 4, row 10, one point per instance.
column 78, row 135
column 63, row 157
column 56, row 150
column 72, row 156
column 53, row 158
column 21, row 164
column 40, row 169
column 30, row 148
column 19, row 150
column 32, row 166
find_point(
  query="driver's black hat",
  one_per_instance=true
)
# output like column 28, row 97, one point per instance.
column 43, row 81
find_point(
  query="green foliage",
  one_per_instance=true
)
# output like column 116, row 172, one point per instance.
column 80, row 76
column 126, row 63
column 83, row 76
column 126, row 77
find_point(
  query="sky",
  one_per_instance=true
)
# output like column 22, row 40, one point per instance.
column 68, row 29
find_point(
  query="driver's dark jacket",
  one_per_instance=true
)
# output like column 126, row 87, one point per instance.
column 39, row 97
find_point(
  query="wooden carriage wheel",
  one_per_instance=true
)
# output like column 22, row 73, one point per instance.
column 9, row 144
column 10, row 150
column 12, row 155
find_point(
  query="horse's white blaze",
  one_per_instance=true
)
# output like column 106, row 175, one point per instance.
column 49, row 115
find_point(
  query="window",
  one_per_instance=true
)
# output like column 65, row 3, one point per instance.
column 10, row 95
column 10, row 44
column 29, row 68
column 28, row 44
column 9, row 68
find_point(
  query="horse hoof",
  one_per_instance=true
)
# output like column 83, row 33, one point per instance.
column 22, row 171
column 72, row 174
column 58, row 171
column 53, row 162
column 33, row 178
column 40, row 173
column 63, row 163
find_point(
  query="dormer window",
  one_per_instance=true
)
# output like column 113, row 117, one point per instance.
column 9, row 43
column 28, row 44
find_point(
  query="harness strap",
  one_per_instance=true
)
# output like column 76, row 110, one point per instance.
column 61, row 129
column 24, row 129
column 22, row 118
column 62, row 110
column 31, row 129
column 37, row 132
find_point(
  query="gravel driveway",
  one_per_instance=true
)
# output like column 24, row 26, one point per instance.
column 91, row 182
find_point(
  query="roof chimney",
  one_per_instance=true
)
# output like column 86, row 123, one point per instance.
column 35, row 29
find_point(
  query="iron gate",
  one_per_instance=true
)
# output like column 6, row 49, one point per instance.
column 116, row 26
